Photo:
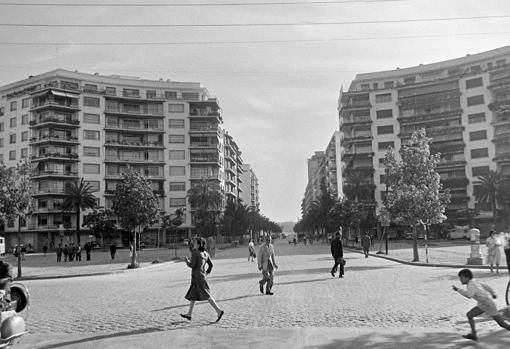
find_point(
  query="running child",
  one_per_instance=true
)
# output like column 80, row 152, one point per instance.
column 482, row 293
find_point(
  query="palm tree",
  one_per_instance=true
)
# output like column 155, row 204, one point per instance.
column 206, row 200
column 487, row 189
column 78, row 197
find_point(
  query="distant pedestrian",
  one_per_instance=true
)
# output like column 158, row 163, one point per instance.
column 304, row 240
column 113, row 250
column 23, row 251
column 506, row 247
column 70, row 252
column 88, row 249
column 59, row 252
column 251, row 251
column 365, row 243
column 337, row 251
column 267, row 265
column 199, row 289
column 493, row 251
column 482, row 293
column 294, row 241
column 65, row 251
column 78, row 253
column 45, row 249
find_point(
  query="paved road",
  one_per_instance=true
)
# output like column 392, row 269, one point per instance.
column 309, row 309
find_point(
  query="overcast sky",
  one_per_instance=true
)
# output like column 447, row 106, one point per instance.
column 279, row 96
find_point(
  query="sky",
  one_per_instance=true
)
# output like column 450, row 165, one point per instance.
column 276, row 67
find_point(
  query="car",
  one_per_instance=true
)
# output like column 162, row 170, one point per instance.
column 95, row 245
column 458, row 233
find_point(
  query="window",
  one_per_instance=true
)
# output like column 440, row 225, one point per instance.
column 176, row 138
column 472, row 83
column 24, row 119
column 14, row 105
column 130, row 92
column 475, row 100
column 94, row 185
column 91, row 118
column 25, row 103
column 480, row 171
column 383, row 98
column 479, row 153
column 500, row 62
column 92, row 135
column 12, row 139
column 365, row 87
column 389, row 84
column 1, row 158
column 375, row 85
column 176, row 108
column 1, row 142
column 177, row 170
column 382, row 179
column 12, row 122
column 24, row 136
column 110, row 91
column 90, row 88
column 24, row 152
column 151, row 94
column 12, row 155
column 177, row 202
column 177, row 155
column 2, row 126
column 476, row 118
column 385, row 145
column 1, row 111
column 475, row 68
column 91, row 168
column 91, row 151
column 177, row 186
column 68, row 85
column 176, row 123
column 194, row 96
column 477, row 135
column 383, row 130
column 170, row 94
column 91, row 102
column 383, row 114
column 410, row 79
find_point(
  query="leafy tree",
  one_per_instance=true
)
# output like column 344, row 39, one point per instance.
column 135, row 205
column 415, row 193
column 205, row 201
column 101, row 223
column 488, row 190
column 235, row 219
column 16, row 201
column 173, row 221
column 78, row 196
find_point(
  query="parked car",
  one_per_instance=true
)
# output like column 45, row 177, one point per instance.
column 458, row 233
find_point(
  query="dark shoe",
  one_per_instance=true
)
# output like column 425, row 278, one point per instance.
column 219, row 316
column 341, row 277
column 332, row 273
column 269, row 293
column 187, row 317
column 261, row 287
column 470, row 336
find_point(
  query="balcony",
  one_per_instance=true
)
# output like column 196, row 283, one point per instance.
column 207, row 176
column 49, row 191
column 427, row 100
column 363, row 154
column 355, row 121
column 126, row 127
column 204, row 159
column 54, row 139
column 66, row 105
column 356, row 105
column 54, row 120
column 132, row 112
column 352, row 139
column 51, row 173
column 133, row 160
column 455, row 182
column 203, row 145
column 131, row 144
column 59, row 156
column 502, row 158
column 445, row 115
column 213, row 128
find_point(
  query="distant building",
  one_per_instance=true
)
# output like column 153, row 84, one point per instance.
column 250, row 188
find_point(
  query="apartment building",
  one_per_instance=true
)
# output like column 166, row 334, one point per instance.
column 462, row 103
column 250, row 188
column 73, row 125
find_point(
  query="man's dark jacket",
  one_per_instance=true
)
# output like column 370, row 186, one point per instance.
column 337, row 249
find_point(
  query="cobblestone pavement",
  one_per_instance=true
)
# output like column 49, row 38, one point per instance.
column 377, row 294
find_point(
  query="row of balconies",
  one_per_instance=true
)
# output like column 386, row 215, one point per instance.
column 435, row 99
column 68, row 104
column 49, row 119
column 72, row 156
column 451, row 114
column 499, row 104
column 204, row 112
column 45, row 138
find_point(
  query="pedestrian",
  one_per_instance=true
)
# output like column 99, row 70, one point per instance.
column 493, row 251
column 251, row 251
column 113, row 250
column 23, row 251
column 304, row 240
column 481, row 293
column 506, row 247
column 267, row 265
column 45, row 249
column 337, row 251
column 365, row 243
column 78, row 253
column 88, row 248
column 65, row 251
column 70, row 252
column 59, row 252
column 199, row 289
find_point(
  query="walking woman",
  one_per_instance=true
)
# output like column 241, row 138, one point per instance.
column 199, row 289
column 493, row 251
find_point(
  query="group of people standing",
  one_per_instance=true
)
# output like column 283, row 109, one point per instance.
column 72, row 252
column 494, row 244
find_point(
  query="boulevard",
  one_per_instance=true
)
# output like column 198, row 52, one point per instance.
column 379, row 303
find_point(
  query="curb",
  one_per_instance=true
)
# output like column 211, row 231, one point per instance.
column 421, row 264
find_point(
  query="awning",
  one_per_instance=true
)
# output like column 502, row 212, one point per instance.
column 64, row 94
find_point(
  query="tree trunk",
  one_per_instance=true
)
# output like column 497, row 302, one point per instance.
column 416, row 258
column 133, row 254
column 77, row 225
column 19, row 246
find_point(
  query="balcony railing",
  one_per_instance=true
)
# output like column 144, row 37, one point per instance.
column 55, row 173
column 46, row 103
column 72, row 156
column 134, row 112
column 73, row 122
column 46, row 138
column 134, row 128
column 133, row 144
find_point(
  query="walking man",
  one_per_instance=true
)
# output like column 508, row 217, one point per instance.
column 267, row 264
column 113, row 250
column 506, row 247
column 59, row 252
column 88, row 248
column 337, row 251
column 365, row 243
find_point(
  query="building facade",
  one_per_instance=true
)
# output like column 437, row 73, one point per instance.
column 73, row 125
column 464, row 105
column 250, row 188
